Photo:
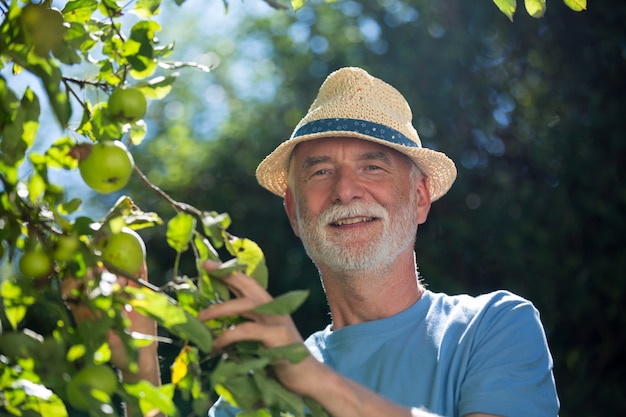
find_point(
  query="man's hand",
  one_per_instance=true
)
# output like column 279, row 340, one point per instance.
column 270, row 330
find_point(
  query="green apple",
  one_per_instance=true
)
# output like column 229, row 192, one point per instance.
column 44, row 27
column 93, row 377
column 35, row 264
column 124, row 252
column 127, row 104
column 65, row 247
column 107, row 167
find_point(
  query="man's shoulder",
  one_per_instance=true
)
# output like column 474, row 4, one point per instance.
column 465, row 307
column 497, row 298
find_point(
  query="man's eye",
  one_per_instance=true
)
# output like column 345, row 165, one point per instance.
column 320, row 172
column 373, row 167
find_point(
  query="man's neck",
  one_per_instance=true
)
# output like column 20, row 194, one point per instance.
column 360, row 296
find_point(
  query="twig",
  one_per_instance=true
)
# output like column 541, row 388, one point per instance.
column 73, row 93
column 178, row 206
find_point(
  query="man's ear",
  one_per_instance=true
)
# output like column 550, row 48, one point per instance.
column 423, row 199
column 290, row 208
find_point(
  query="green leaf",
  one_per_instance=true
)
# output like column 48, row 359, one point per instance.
column 51, row 76
column 138, row 131
column 70, row 207
column 277, row 397
column 108, row 75
column 11, row 145
column 52, row 406
column 180, row 230
column 147, row 8
column 99, row 125
column 233, row 381
column 20, row 132
column 9, row 172
column 139, row 49
column 261, row 412
column 58, row 154
column 66, row 53
column 178, row 321
column 110, row 8
column 79, row 10
column 225, row 394
column 40, row 401
column 36, row 187
column 240, row 391
column 213, row 289
column 507, row 7
column 16, row 299
column 283, row 304
column 214, row 224
column 151, row 397
column 250, row 254
column 535, row 8
column 576, row 5
column 158, row 87
column 186, row 294
column 205, row 249
column 294, row 353
column 297, row 4
column 227, row 369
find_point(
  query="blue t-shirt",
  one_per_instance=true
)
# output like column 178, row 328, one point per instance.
column 452, row 355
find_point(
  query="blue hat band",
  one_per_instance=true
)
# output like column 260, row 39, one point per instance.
column 375, row 130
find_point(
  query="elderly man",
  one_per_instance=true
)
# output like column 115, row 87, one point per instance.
column 356, row 184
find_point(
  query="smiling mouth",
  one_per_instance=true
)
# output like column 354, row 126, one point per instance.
column 352, row 220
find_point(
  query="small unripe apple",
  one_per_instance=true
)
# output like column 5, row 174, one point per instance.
column 124, row 252
column 35, row 264
column 107, row 167
column 127, row 104
column 65, row 247
column 44, row 27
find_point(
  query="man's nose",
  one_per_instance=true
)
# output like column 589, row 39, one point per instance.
column 347, row 186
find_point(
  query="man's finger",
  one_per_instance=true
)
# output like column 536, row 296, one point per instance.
column 234, row 307
column 240, row 284
column 269, row 336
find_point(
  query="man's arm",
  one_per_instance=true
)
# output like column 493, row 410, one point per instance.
column 148, row 368
column 340, row 396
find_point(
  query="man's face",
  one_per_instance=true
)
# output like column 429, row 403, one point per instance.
column 354, row 203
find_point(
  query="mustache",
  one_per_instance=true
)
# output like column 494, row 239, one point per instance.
column 355, row 209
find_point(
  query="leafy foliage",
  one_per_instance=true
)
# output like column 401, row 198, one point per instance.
column 536, row 8
column 62, row 303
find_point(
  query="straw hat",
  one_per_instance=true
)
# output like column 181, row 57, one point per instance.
column 352, row 103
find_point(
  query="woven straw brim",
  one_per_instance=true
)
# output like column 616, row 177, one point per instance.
column 436, row 166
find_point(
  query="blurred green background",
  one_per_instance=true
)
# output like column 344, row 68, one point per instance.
column 531, row 111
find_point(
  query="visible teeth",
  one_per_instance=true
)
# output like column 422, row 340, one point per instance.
column 352, row 220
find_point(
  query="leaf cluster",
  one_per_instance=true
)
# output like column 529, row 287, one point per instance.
column 57, row 323
column 536, row 8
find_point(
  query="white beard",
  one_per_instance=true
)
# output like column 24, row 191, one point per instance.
column 350, row 252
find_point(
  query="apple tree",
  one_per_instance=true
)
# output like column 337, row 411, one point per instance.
column 61, row 288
